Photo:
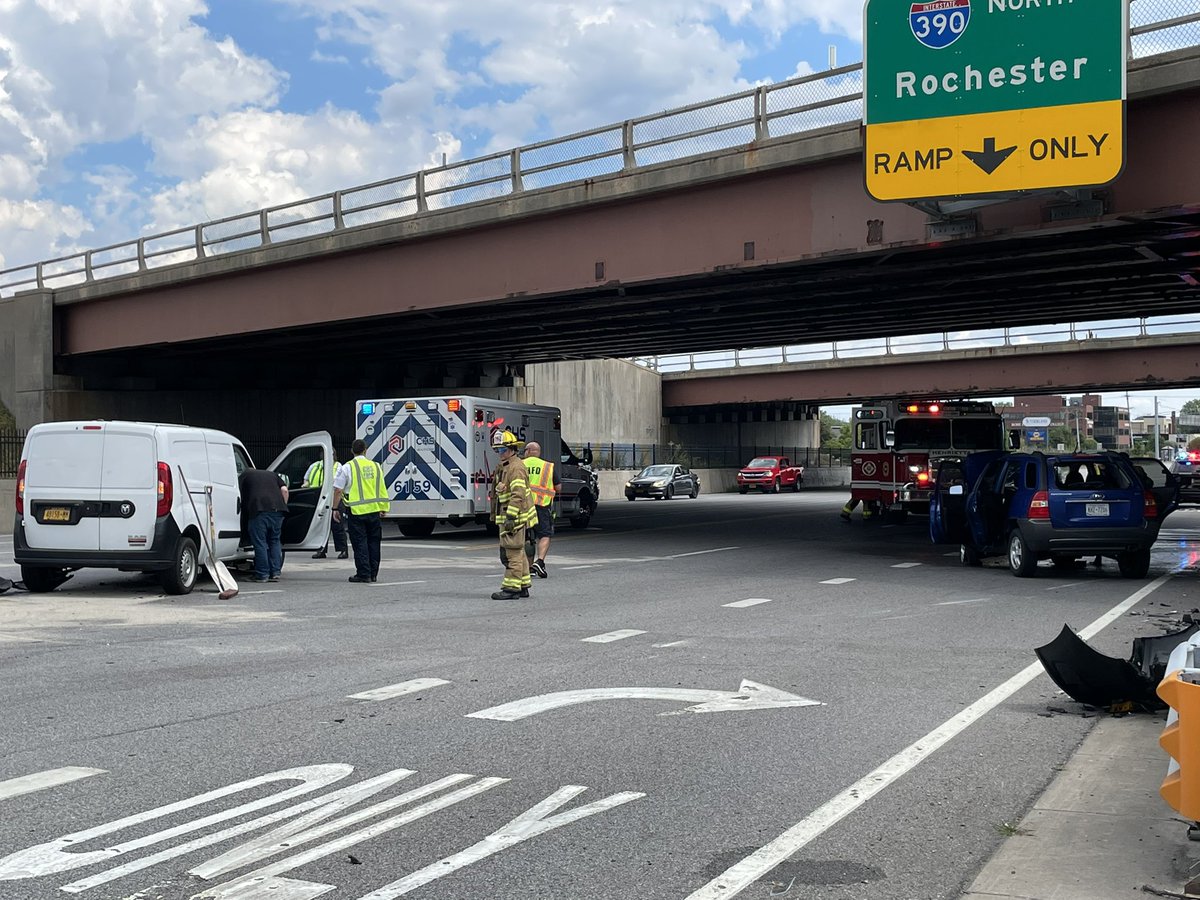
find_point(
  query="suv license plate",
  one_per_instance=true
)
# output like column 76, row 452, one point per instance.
column 1097, row 509
column 56, row 514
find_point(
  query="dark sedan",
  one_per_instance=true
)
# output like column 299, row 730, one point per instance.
column 663, row 483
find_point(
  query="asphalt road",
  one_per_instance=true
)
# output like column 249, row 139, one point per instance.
column 216, row 749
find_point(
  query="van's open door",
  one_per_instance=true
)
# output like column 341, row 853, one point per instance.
column 307, row 523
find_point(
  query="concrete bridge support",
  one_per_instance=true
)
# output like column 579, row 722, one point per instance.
column 28, row 385
column 783, row 424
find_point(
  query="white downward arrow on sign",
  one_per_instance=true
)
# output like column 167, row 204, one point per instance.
column 751, row 695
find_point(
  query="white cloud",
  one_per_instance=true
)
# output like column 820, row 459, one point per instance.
column 462, row 76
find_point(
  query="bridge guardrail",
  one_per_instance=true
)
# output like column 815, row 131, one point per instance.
column 885, row 347
column 801, row 104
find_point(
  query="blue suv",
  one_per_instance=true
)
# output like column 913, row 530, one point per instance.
column 1035, row 506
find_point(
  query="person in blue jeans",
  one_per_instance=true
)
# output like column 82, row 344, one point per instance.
column 264, row 500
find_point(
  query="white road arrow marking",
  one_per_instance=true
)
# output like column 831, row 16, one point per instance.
column 751, row 695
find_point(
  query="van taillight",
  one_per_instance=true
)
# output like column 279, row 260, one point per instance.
column 1039, row 506
column 21, row 489
column 1149, row 506
column 166, row 493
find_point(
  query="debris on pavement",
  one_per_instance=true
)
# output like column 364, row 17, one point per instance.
column 1115, row 685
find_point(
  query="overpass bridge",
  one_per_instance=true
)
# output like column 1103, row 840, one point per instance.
column 736, row 222
column 1145, row 354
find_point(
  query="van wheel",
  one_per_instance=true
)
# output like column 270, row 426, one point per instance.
column 969, row 556
column 1135, row 564
column 42, row 580
column 1021, row 559
column 416, row 528
column 181, row 577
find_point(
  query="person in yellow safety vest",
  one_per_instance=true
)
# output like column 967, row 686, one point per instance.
column 513, row 510
column 314, row 477
column 544, row 484
column 361, row 483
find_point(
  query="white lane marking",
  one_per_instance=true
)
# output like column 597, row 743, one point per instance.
column 54, row 857
column 1059, row 587
column 317, row 809
column 257, row 883
column 671, row 644
column 610, row 636
column 573, row 568
column 950, row 554
column 393, row 583
column 742, row 874
column 398, row 690
column 248, row 593
column 750, row 601
column 39, row 781
column 751, row 695
column 960, row 602
column 699, row 552
column 407, row 545
column 839, row 581
column 529, row 824
column 905, row 565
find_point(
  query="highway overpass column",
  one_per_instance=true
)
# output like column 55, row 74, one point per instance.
column 27, row 384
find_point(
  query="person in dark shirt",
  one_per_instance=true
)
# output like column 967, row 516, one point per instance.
column 264, row 500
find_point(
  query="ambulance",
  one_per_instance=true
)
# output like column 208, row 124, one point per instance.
column 438, row 463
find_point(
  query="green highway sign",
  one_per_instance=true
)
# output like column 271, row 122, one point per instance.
column 967, row 97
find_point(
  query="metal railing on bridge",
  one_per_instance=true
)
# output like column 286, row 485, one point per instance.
column 637, row 456
column 1080, row 333
column 796, row 106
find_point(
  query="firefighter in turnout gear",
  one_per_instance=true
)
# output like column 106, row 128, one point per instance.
column 514, row 511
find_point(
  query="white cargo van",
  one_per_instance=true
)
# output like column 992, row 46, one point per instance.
column 111, row 495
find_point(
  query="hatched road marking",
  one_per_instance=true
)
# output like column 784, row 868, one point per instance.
column 839, row 581
column 742, row 604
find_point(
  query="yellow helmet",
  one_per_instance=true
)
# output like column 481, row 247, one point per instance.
column 505, row 440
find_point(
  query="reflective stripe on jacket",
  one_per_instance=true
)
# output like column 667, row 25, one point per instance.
column 366, row 492
column 541, row 480
column 513, row 498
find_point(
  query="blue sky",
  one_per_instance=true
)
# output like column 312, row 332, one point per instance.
column 120, row 118
column 123, row 118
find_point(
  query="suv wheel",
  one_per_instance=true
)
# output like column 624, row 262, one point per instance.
column 968, row 555
column 1020, row 558
column 1135, row 564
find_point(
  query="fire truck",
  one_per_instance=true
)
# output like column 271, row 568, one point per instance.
column 898, row 442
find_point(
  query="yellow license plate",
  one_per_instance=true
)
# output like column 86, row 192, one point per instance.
column 56, row 514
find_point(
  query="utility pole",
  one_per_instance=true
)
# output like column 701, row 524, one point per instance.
column 1157, row 429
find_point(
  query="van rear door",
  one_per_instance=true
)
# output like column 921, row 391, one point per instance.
column 62, row 486
column 129, row 487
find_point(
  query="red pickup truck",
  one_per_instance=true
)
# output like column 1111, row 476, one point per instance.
column 770, row 474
